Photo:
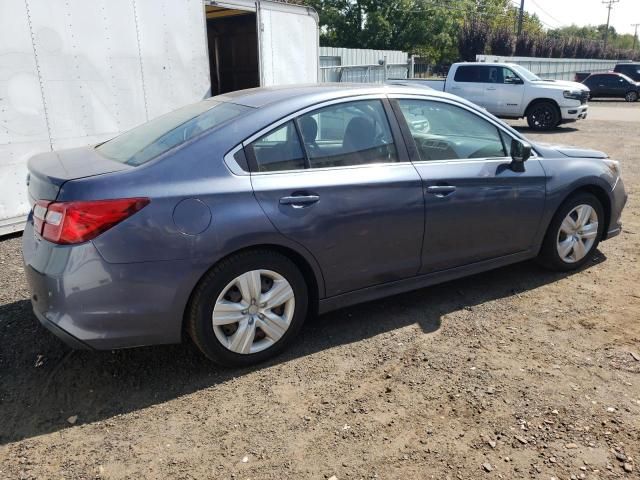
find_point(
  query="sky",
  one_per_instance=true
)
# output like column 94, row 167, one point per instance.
column 560, row 13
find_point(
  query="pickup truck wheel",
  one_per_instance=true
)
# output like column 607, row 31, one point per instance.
column 543, row 116
column 631, row 96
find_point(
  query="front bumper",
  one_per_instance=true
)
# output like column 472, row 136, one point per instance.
column 90, row 303
column 618, row 201
column 574, row 113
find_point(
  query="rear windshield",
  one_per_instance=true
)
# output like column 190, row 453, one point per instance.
column 147, row 141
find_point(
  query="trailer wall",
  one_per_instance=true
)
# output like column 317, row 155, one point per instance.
column 79, row 72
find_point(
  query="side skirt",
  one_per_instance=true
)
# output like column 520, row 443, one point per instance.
column 415, row 283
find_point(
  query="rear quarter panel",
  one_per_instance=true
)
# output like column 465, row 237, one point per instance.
column 196, row 171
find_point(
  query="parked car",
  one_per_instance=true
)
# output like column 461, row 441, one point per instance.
column 612, row 85
column 511, row 91
column 631, row 70
column 234, row 218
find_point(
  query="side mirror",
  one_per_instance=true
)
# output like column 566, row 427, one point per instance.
column 513, row 81
column 520, row 153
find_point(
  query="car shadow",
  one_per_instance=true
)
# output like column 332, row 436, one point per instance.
column 43, row 383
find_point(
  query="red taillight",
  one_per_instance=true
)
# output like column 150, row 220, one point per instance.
column 77, row 222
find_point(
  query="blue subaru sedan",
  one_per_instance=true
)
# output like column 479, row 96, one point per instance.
column 235, row 218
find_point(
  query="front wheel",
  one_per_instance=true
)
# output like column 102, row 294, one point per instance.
column 248, row 308
column 631, row 96
column 574, row 233
column 543, row 116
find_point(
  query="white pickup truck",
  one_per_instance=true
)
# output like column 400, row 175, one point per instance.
column 511, row 91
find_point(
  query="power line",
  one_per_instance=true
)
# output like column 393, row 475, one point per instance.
column 547, row 13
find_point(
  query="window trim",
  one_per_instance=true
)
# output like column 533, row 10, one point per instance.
column 411, row 144
column 398, row 140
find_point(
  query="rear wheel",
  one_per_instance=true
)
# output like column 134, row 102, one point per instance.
column 543, row 116
column 574, row 233
column 631, row 96
column 248, row 308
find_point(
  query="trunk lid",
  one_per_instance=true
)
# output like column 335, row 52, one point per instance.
column 49, row 171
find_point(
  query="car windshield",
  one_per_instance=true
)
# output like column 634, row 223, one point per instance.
column 523, row 72
column 147, row 141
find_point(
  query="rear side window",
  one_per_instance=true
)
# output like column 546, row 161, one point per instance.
column 468, row 73
column 151, row 139
column 345, row 134
column 279, row 149
column 446, row 132
column 354, row 133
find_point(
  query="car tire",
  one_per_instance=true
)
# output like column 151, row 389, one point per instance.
column 631, row 96
column 262, row 330
column 564, row 250
column 543, row 116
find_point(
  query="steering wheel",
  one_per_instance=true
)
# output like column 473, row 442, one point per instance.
column 422, row 126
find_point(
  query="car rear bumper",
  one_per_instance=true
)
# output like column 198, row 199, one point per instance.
column 90, row 303
column 574, row 113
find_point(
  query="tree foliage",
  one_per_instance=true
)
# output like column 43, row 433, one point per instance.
column 444, row 31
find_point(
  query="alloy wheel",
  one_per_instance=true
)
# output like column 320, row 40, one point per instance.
column 543, row 118
column 253, row 311
column 631, row 96
column 577, row 233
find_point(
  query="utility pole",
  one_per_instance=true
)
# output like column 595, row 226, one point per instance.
column 520, row 18
column 609, row 4
column 635, row 35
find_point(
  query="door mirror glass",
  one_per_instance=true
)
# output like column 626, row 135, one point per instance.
column 520, row 150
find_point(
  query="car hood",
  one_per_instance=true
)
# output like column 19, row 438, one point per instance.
column 570, row 151
column 564, row 84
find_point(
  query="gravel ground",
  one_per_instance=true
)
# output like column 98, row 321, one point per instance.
column 515, row 373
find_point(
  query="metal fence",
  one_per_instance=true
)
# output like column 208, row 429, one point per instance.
column 555, row 68
column 363, row 73
column 362, row 65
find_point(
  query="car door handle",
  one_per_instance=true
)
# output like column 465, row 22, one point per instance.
column 491, row 88
column 441, row 190
column 299, row 200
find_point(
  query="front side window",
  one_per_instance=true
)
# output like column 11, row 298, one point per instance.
column 509, row 76
column 151, row 139
column 446, row 132
column 353, row 133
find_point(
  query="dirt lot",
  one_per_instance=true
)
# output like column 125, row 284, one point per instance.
column 515, row 373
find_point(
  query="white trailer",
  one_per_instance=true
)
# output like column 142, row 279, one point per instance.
column 78, row 72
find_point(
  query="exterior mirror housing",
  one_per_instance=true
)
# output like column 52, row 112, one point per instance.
column 520, row 152
column 513, row 81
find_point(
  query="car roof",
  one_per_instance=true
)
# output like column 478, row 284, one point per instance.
column 319, row 92
column 271, row 103
column 486, row 64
